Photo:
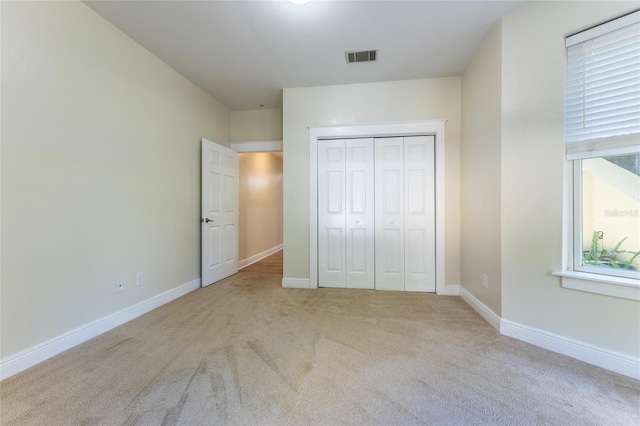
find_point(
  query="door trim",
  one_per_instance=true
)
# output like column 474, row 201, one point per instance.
column 376, row 130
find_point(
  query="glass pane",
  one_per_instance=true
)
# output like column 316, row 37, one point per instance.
column 611, row 212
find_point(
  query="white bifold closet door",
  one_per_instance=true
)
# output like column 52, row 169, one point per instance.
column 376, row 213
column 405, row 214
column 346, row 213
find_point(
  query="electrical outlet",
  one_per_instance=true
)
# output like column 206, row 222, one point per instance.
column 119, row 285
column 485, row 281
column 139, row 279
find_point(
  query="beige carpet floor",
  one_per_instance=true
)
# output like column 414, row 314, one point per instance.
column 245, row 351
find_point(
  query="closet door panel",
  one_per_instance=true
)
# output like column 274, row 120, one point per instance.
column 359, row 259
column 357, row 252
column 331, row 214
column 389, row 220
column 392, row 250
column 419, row 216
column 335, row 242
column 416, row 251
column 376, row 215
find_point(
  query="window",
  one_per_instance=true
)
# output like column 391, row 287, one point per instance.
column 606, row 215
column 602, row 122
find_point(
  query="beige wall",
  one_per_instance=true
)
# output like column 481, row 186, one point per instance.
column 100, row 171
column 260, row 226
column 480, row 173
column 533, row 72
column 256, row 125
column 356, row 104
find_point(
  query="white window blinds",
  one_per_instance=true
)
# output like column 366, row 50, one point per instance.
column 603, row 89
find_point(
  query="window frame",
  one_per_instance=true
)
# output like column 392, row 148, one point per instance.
column 575, row 275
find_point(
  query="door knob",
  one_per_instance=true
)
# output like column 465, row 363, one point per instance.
column 207, row 220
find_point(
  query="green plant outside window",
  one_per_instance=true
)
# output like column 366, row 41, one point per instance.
column 614, row 257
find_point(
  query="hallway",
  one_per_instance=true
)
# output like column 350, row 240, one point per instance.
column 269, row 265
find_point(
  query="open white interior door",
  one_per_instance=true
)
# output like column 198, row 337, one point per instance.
column 219, row 212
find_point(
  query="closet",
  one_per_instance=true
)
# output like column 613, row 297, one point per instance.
column 376, row 213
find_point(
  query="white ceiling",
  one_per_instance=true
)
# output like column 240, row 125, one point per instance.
column 244, row 53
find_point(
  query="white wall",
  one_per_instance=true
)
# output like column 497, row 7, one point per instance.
column 101, row 170
column 260, row 227
column 533, row 74
column 480, row 173
column 356, row 104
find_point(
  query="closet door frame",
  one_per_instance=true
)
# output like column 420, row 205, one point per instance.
column 376, row 130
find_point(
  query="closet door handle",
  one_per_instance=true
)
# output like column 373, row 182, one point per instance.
column 207, row 220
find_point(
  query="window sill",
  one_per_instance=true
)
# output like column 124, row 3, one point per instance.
column 624, row 288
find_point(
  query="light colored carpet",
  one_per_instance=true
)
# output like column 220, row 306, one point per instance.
column 245, row 351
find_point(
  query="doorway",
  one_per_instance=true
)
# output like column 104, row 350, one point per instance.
column 260, row 201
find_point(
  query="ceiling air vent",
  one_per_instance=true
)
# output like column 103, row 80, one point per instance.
column 361, row 56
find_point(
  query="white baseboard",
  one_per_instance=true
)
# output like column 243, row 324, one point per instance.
column 485, row 312
column 29, row 357
column 258, row 257
column 451, row 290
column 594, row 355
column 295, row 283
column 600, row 357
